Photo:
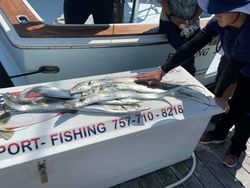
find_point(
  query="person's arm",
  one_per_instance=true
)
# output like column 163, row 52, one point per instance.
column 186, row 51
column 196, row 16
column 171, row 16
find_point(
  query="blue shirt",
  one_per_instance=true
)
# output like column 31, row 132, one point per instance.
column 235, row 42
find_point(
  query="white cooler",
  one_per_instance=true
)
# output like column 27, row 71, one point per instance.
column 100, row 150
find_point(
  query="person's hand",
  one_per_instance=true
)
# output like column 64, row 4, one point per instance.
column 192, row 21
column 151, row 78
column 222, row 103
column 177, row 21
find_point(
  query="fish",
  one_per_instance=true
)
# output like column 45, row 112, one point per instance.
column 115, row 109
column 10, row 122
column 193, row 94
column 124, row 101
column 86, row 85
column 116, row 86
column 44, row 105
column 46, row 91
column 107, row 96
column 113, row 95
column 103, row 91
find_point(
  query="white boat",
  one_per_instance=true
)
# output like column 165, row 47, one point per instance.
column 85, row 149
column 95, row 150
column 32, row 36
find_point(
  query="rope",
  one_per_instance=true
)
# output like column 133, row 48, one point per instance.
column 187, row 176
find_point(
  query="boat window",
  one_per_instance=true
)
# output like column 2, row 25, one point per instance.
column 125, row 11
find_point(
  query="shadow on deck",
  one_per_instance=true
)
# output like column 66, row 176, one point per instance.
column 209, row 172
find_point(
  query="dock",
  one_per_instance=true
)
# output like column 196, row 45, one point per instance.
column 209, row 171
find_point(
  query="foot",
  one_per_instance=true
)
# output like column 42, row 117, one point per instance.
column 230, row 160
column 206, row 138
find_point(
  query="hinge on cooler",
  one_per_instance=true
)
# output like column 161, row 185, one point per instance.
column 43, row 172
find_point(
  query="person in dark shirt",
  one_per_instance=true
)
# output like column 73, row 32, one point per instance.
column 78, row 11
column 232, row 23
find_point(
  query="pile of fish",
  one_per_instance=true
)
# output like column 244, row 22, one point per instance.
column 115, row 95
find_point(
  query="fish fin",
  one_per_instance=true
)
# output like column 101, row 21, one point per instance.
column 6, row 134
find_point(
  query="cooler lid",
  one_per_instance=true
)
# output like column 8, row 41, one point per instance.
column 38, row 135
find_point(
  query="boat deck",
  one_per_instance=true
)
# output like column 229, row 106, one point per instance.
column 209, row 171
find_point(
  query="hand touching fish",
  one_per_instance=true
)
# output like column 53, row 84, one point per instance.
column 151, row 78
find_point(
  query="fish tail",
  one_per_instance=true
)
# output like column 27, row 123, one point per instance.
column 6, row 134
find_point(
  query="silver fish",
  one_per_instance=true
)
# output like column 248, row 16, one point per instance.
column 11, row 122
column 46, row 91
column 193, row 94
column 86, row 85
column 124, row 101
column 21, row 101
column 45, row 105
column 107, row 96
column 122, row 86
column 116, row 109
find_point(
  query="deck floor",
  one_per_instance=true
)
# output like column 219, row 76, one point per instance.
column 209, row 172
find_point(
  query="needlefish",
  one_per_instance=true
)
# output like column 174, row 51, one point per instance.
column 57, row 105
column 45, row 91
column 115, row 109
column 11, row 121
column 122, row 83
column 114, row 95
column 194, row 95
column 43, row 105
column 122, row 87
column 125, row 101
column 85, row 85
column 107, row 96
